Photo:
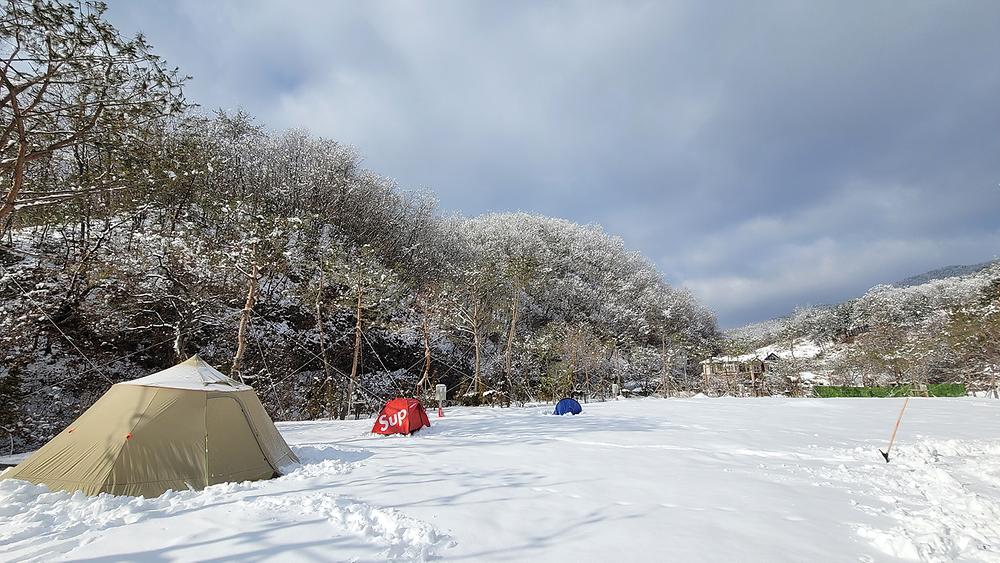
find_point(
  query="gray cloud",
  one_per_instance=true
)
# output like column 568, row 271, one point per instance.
column 767, row 154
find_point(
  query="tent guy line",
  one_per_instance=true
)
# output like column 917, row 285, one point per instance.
column 25, row 293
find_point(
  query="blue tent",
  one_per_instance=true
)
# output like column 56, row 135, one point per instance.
column 568, row 406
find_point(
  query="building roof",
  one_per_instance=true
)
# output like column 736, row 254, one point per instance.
column 736, row 359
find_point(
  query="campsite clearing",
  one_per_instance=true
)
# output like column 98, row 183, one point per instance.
column 693, row 479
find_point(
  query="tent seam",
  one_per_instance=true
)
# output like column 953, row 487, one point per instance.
column 253, row 430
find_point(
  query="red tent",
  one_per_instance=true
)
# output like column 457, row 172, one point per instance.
column 401, row 416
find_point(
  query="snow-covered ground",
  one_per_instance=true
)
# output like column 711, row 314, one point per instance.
column 13, row 459
column 680, row 479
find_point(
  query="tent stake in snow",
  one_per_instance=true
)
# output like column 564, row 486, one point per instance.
column 892, row 439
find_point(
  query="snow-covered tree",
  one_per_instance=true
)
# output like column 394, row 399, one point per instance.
column 69, row 79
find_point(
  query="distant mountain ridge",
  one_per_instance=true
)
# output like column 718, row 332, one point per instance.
column 942, row 273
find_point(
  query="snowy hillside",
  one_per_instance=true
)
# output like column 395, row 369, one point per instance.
column 770, row 328
column 944, row 330
column 944, row 273
column 695, row 480
column 798, row 349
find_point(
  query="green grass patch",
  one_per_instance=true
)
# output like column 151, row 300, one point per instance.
column 947, row 390
column 934, row 390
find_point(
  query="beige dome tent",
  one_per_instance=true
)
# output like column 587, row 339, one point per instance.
column 187, row 426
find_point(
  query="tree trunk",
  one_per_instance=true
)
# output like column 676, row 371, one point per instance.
column 17, row 179
column 476, row 377
column 613, row 368
column 357, row 355
column 424, row 386
column 510, row 344
column 179, row 342
column 328, row 381
column 574, row 344
column 664, row 372
column 241, row 335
